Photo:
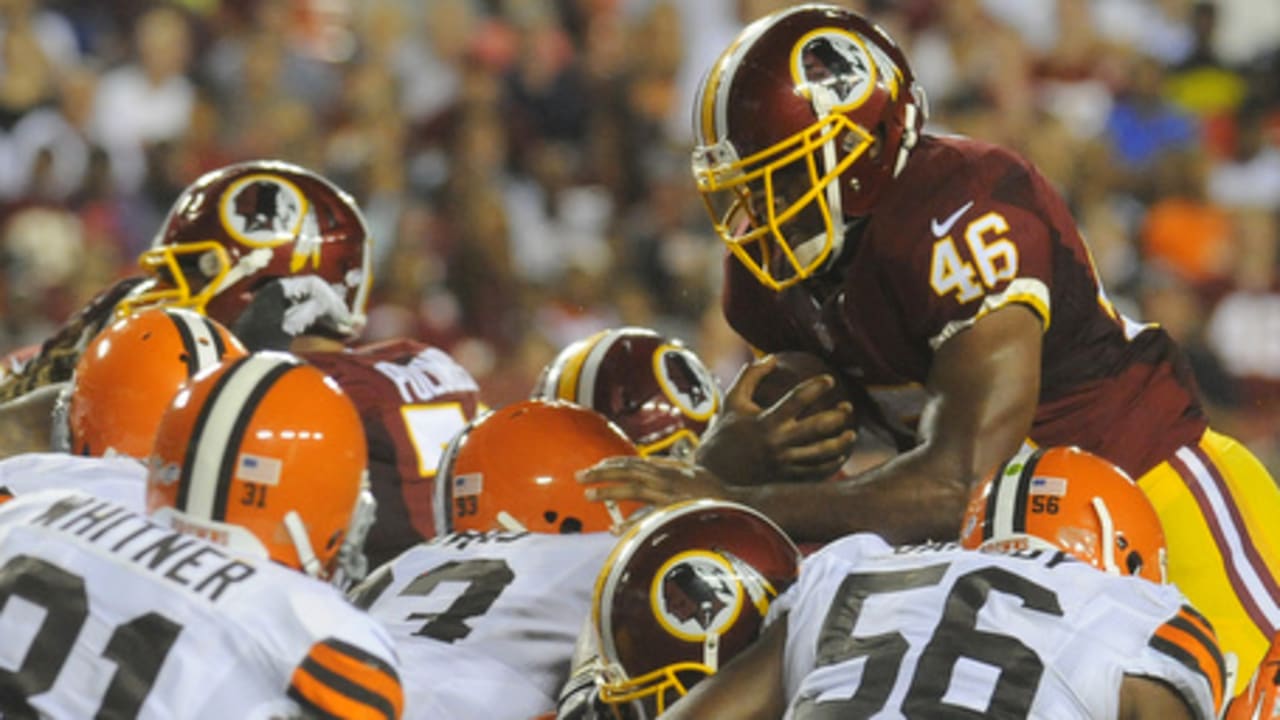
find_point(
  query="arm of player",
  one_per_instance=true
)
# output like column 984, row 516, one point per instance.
column 1143, row 698
column 750, row 444
column 984, row 387
column 749, row 687
column 338, row 679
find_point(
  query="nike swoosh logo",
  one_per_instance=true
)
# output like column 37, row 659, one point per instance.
column 942, row 228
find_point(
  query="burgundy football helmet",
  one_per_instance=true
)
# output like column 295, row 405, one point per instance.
column 238, row 227
column 799, row 125
column 653, row 387
column 685, row 590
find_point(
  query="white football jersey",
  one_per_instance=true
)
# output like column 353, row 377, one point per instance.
column 119, row 478
column 104, row 613
column 486, row 623
column 935, row 631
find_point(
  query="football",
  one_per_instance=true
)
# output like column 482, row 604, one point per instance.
column 793, row 367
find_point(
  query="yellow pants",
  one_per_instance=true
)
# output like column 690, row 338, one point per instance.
column 1220, row 510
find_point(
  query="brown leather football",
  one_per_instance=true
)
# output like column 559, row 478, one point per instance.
column 793, row 367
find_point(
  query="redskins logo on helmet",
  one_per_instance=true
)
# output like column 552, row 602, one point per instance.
column 653, row 387
column 686, row 589
column 1064, row 498
column 263, row 210
column 695, row 595
column 799, row 125
column 126, row 376
column 515, row 468
column 236, row 228
column 266, row 455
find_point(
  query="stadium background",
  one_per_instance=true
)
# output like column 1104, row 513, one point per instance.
column 524, row 163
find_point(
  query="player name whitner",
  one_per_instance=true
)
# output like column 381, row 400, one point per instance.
column 184, row 559
column 429, row 375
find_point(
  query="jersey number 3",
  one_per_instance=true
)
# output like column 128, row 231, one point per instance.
column 137, row 648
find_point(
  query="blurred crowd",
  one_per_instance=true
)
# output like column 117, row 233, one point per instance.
column 524, row 163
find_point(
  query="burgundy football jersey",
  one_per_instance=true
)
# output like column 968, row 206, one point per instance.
column 412, row 399
column 967, row 228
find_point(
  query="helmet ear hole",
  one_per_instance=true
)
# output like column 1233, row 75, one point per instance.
column 570, row 526
column 877, row 142
column 1133, row 563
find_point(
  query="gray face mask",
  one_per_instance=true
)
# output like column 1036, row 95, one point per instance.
column 60, row 429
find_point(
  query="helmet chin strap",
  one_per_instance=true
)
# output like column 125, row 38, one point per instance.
column 711, row 651
column 508, row 522
column 910, row 115
column 60, row 427
column 615, row 514
column 247, row 265
column 298, row 534
column 352, row 565
column 1108, row 536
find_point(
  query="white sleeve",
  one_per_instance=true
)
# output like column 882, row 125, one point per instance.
column 1183, row 652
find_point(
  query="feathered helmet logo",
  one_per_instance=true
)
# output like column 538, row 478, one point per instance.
column 836, row 69
column 686, row 382
column 263, row 210
column 696, row 594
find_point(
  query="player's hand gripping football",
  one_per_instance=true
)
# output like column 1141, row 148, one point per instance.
column 781, row 422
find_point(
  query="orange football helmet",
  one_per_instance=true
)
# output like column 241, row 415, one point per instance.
column 657, row 390
column 266, row 455
column 684, row 591
column 1064, row 498
column 240, row 226
column 514, row 468
column 125, row 378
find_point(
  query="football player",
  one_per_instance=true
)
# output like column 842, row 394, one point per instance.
column 486, row 615
column 685, row 589
column 1023, row 629
column 653, row 387
column 214, row 602
column 946, row 277
column 282, row 257
column 105, row 418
